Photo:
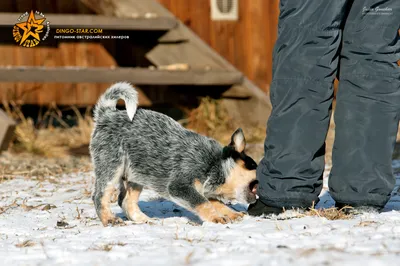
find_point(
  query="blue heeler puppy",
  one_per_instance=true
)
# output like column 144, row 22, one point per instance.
column 136, row 148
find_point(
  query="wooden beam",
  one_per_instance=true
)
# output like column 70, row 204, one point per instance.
column 139, row 76
column 98, row 21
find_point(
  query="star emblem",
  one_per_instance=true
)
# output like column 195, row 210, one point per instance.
column 31, row 27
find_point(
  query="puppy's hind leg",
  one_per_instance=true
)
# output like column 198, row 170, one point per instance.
column 128, row 201
column 104, row 187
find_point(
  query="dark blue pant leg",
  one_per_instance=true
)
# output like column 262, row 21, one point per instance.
column 304, row 66
column 368, row 105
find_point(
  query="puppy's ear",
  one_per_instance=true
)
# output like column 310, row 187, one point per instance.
column 238, row 141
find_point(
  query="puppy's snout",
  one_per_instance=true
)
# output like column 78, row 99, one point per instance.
column 253, row 186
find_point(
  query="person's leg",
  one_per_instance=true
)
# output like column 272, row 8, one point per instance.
column 304, row 67
column 368, row 105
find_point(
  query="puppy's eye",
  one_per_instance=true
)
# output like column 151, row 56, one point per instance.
column 250, row 164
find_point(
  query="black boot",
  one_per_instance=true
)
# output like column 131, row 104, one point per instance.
column 259, row 208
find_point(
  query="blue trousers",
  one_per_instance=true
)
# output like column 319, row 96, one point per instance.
column 358, row 42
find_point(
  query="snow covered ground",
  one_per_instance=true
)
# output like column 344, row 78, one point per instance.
column 53, row 222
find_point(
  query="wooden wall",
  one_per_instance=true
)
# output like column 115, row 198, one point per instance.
column 246, row 43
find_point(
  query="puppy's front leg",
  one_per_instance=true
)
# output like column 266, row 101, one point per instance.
column 186, row 195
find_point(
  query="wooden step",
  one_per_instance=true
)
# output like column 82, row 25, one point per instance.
column 139, row 76
column 150, row 22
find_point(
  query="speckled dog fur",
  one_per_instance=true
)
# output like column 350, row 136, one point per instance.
column 136, row 148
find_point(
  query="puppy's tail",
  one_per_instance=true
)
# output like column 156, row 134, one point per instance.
column 108, row 101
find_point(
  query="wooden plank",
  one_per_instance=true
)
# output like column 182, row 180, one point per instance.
column 6, row 6
column 126, row 8
column 104, row 7
column 138, row 76
column 85, row 90
column 258, row 105
column 67, row 91
column 24, row 5
column 7, row 90
column 186, row 53
column 96, row 21
column 69, row 7
column 23, row 57
column 193, row 51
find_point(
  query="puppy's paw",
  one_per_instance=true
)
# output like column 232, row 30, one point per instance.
column 235, row 216
column 208, row 213
column 139, row 217
column 113, row 221
column 220, row 219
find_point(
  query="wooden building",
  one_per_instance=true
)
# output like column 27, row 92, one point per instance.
column 246, row 43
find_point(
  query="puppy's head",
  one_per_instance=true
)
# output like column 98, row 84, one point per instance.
column 240, row 172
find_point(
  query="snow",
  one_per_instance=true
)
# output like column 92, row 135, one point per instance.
column 176, row 237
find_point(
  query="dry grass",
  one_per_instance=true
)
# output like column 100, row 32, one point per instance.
column 188, row 258
column 107, row 247
column 26, row 243
column 3, row 209
column 23, row 205
column 330, row 213
column 43, row 150
column 40, row 149
column 27, row 164
column 44, row 139
column 367, row 223
column 211, row 118
column 41, row 138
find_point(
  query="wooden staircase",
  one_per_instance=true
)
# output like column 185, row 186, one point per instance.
column 177, row 46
